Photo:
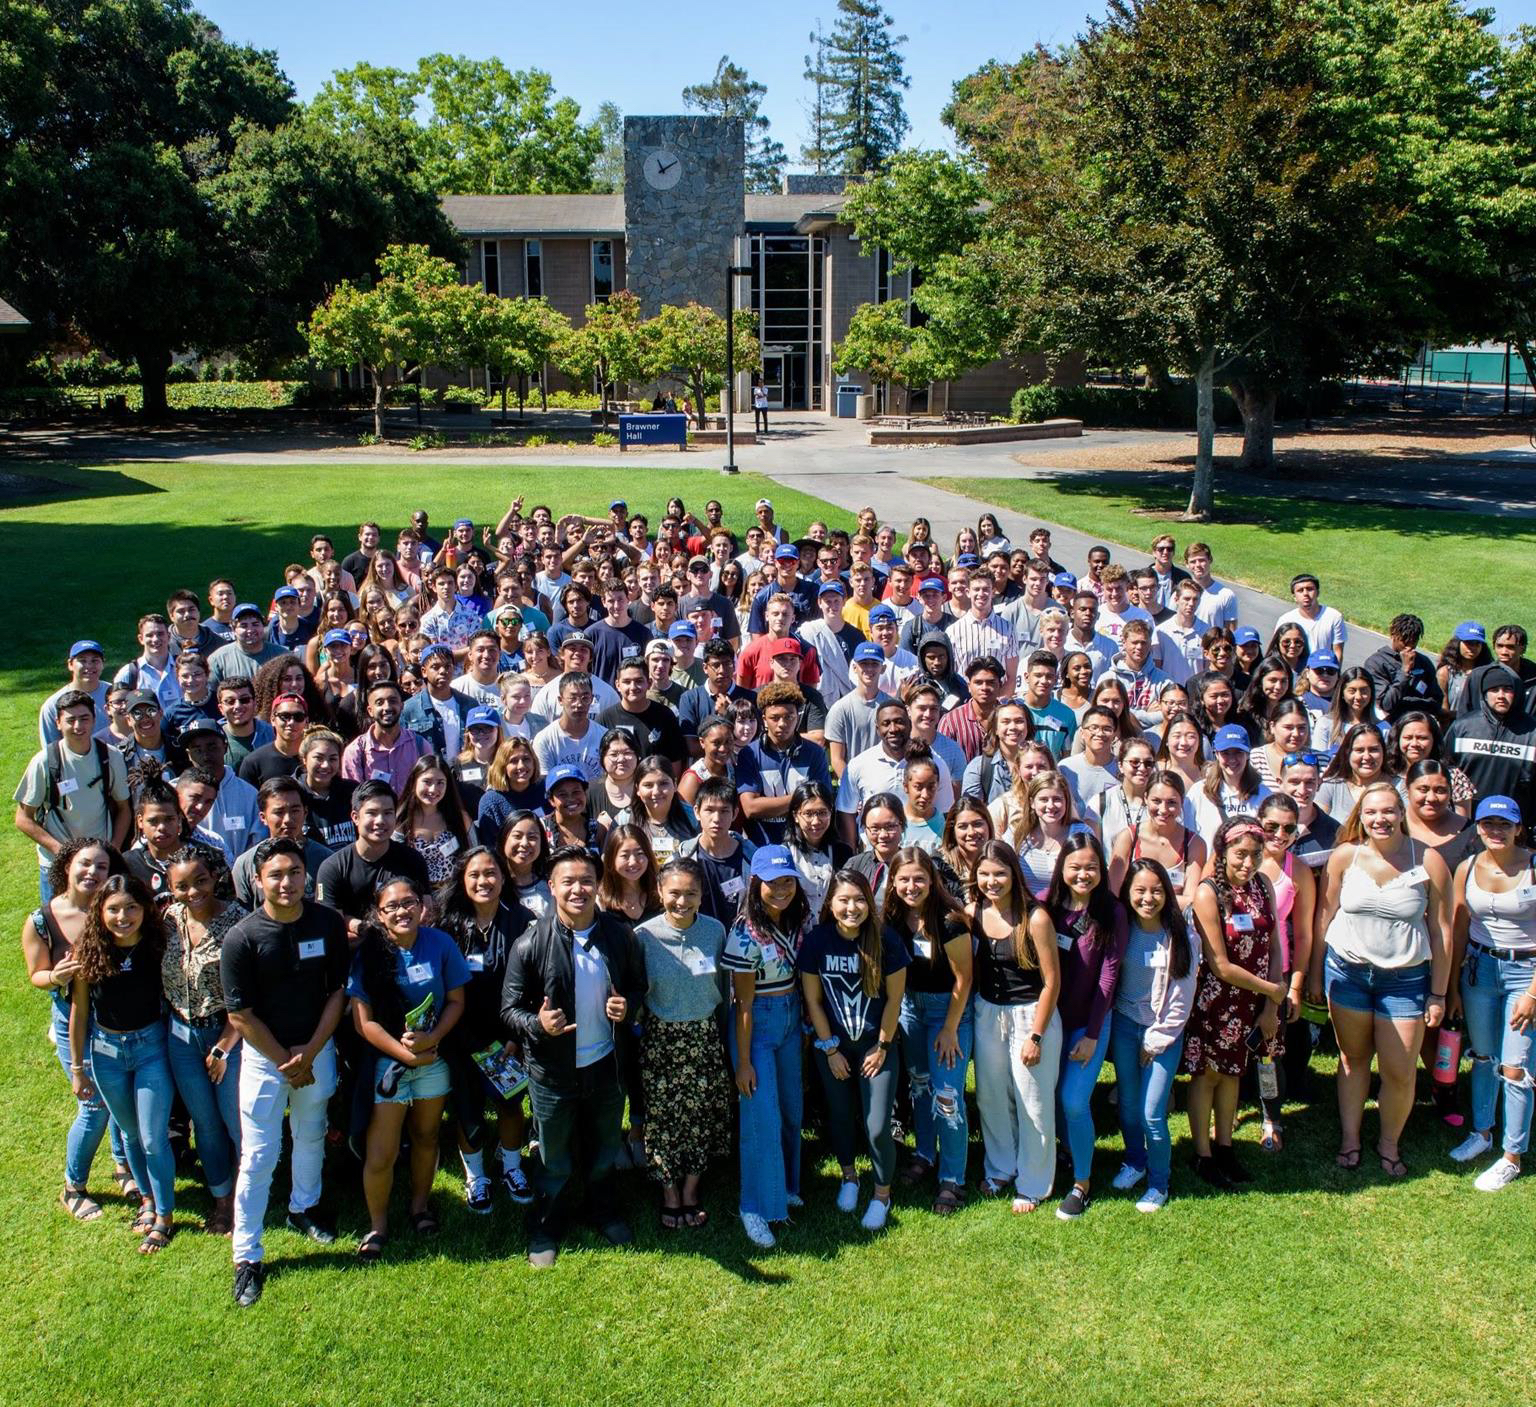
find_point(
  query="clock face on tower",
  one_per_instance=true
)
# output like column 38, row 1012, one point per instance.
column 663, row 169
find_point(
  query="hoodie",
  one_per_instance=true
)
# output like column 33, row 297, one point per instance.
column 1141, row 686
column 945, row 678
column 1498, row 752
column 1399, row 691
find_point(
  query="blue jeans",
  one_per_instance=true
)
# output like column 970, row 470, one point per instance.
column 771, row 1117
column 938, row 1092
column 215, row 1108
column 91, row 1116
column 582, row 1126
column 1396, row 993
column 1489, row 988
column 132, row 1072
column 1074, row 1090
column 1144, row 1094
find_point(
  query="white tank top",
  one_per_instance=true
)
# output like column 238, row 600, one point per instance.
column 1506, row 920
column 1382, row 924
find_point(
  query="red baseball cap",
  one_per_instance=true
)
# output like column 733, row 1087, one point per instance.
column 787, row 646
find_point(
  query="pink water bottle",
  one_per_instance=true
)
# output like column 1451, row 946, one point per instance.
column 1447, row 1055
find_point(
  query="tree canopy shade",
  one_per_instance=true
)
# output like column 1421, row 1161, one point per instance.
column 155, row 196
column 857, row 77
column 608, row 347
column 687, row 345
column 487, row 128
column 730, row 93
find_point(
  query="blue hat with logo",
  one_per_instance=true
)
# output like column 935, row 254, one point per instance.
column 1245, row 635
column 483, row 717
column 463, row 522
column 682, row 630
column 567, row 773
column 1231, row 737
column 245, row 608
column 1472, row 632
column 1065, row 580
column 931, row 583
column 967, row 559
column 882, row 612
column 773, row 862
column 786, row 553
column 868, row 651
column 202, row 725
column 833, row 586
column 1501, row 808
column 435, row 648
column 617, row 503
column 337, row 637
column 1322, row 659
column 285, row 593
column 84, row 647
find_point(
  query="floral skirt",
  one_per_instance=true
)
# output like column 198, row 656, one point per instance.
column 687, row 1097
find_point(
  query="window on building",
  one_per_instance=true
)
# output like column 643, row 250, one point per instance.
column 882, row 276
column 491, row 266
column 533, row 268
column 602, row 270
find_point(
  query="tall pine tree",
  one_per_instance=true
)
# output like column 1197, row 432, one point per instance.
column 814, row 151
column 860, row 76
column 730, row 93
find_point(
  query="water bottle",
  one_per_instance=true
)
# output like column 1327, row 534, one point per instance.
column 1448, row 1054
column 451, row 556
column 1269, row 1079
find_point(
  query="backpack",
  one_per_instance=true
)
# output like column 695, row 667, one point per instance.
column 53, row 766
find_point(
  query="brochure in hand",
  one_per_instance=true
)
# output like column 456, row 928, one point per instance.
column 502, row 1068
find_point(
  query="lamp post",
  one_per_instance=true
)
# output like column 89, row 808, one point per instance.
column 732, row 273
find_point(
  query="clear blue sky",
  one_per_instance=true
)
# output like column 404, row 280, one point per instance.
column 603, row 49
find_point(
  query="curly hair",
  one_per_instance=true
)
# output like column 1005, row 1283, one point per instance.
column 96, row 952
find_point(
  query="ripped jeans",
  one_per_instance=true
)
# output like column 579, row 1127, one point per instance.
column 938, row 1091
column 1490, row 986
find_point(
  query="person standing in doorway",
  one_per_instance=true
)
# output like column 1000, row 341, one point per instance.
column 760, row 408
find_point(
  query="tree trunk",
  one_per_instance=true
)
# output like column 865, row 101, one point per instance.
column 1156, row 378
column 378, row 402
column 1202, row 490
column 1523, row 346
column 503, row 395
column 153, row 362
column 1257, row 405
column 543, row 388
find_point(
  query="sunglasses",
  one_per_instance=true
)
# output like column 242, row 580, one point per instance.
column 1275, row 828
column 1301, row 759
column 1324, row 669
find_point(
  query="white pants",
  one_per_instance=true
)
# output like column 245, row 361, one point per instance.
column 265, row 1096
column 1017, row 1102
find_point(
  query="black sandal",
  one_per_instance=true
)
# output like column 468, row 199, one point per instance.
column 948, row 1201
column 670, row 1218
column 157, row 1238
column 371, row 1247
column 424, row 1224
column 144, row 1219
column 131, row 1190
column 79, row 1204
column 1348, row 1158
column 695, row 1216
column 1393, row 1167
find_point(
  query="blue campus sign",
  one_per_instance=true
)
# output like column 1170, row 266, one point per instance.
column 653, row 430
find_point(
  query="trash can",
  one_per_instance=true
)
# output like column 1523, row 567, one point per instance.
column 865, row 406
column 848, row 400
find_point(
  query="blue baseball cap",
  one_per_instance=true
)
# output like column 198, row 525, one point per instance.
column 84, row 647
column 245, row 608
column 1322, row 659
column 483, row 717
column 785, row 553
column 1231, row 737
column 882, row 612
column 463, row 522
column 1473, row 633
column 930, row 583
column 773, row 862
column 868, row 651
column 967, row 559
column 617, row 503
column 436, row 648
column 1500, row 808
column 1245, row 635
column 568, row 773
column 1065, row 580
column 336, row 637
column 682, row 630
column 832, row 586
column 285, row 593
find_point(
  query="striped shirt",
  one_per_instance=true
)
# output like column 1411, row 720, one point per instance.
column 970, row 639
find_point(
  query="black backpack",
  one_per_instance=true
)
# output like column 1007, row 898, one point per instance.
column 53, row 763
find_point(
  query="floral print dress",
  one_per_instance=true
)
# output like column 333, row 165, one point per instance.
column 1217, row 1034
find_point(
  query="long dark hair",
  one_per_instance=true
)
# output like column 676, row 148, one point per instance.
column 457, row 912
column 788, row 924
column 266, row 686
column 1021, row 902
column 1339, row 766
column 1395, row 762
column 1172, row 916
column 794, row 837
column 58, row 866
column 1255, row 702
column 377, row 955
column 1197, row 710
column 1102, row 905
column 96, row 952
column 1230, row 830
column 1353, row 675
column 451, row 807
column 610, row 888
column 541, row 860
column 871, row 937
column 935, row 911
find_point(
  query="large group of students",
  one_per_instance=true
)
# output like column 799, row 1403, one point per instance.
column 622, row 828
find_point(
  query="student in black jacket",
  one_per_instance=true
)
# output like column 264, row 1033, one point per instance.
column 573, row 977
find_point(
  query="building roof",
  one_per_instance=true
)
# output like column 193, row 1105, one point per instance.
column 11, row 320
column 536, row 214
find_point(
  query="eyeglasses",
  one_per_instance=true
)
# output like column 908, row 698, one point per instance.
column 289, row 717
column 1275, row 828
column 399, row 906
column 1301, row 759
column 1138, row 762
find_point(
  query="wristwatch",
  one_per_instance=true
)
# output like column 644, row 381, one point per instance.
column 885, row 1044
column 217, row 1054
column 829, row 1045
column 1036, row 1037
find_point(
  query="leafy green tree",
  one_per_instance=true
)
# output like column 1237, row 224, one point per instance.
column 415, row 313
column 730, row 93
column 882, row 344
column 687, row 345
column 515, row 337
column 608, row 169
column 859, row 77
column 608, row 347
column 816, row 148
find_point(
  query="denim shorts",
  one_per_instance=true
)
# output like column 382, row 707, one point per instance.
column 421, row 1082
column 1397, row 993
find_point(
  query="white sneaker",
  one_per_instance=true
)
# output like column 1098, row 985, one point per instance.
column 1127, row 1177
column 794, row 1201
column 875, row 1214
column 1472, row 1147
column 1498, row 1177
column 1151, row 1200
column 848, row 1197
column 757, row 1230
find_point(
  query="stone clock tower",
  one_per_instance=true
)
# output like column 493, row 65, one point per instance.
column 684, row 207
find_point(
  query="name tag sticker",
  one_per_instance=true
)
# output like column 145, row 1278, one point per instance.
column 68, row 786
column 379, row 774
column 1063, row 940
column 234, row 823
column 732, row 888
column 475, row 962
column 418, row 972
column 102, row 1046
column 923, row 947
column 311, row 948
column 180, row 1030
column 1242, row 923
column 1525, row 894
column 700, row 964
column 1157, row 957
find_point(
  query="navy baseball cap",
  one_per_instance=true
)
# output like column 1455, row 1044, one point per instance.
column 567, row 773
column 1231, row 737
column 682, row 630
column 202, row 725
column 967, row 559
column 245, row 608
column 483, row 717
column 463, row 522
column 882, row 612
column 930, row 583
column 285, row 593
column 436, row 648
column 832, row 587
column 339, row 637
column 1473, row 633
column 1245, row 635
column 1322, row 659
column 84, row 647
column 577, row 637
column 1500, row 808
column 786, row 553
column 868, row 651
column 617, row 503
column 773, row 862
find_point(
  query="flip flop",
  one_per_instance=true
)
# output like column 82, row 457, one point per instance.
column 1348, row 1158
column 371, row 1247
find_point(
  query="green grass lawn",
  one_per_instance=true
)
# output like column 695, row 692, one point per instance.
column 1374, row 561
column 1317, row 1286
